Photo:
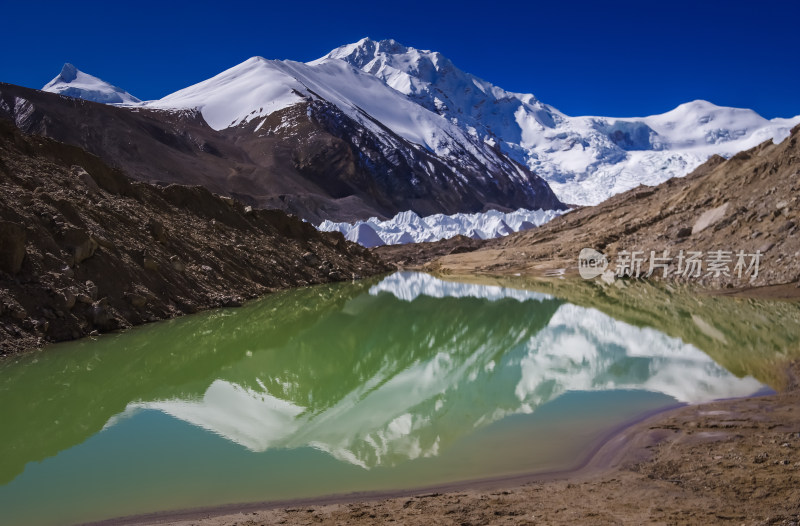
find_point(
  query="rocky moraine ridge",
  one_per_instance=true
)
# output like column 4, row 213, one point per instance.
column 748, row 203
column 84, row 249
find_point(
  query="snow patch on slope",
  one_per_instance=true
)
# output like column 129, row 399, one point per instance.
column 72, row 82
column 254, row 88
column 408, row 227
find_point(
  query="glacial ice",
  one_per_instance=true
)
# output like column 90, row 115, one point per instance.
column 408, row 227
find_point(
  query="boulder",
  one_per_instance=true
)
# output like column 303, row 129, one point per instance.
column 67, row 298
column 80, row 244
column 786, row 226
column 149, row 263
column 18, row 312
column 67, row 272
column 137, row 300
column 709, row 218
column 82, row 175
column 101, row 315
column 310, row 258
column 91, row 290
column 335, row 275
column 177, row 264
column 766, row 247
column 104, row 241
column 157, row 230
column 83, row 298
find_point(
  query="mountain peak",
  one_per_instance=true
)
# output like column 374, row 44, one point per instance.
column 365, row 50
column 369, row 48
column 431, row 80
column 68, row 73
column 73, row 82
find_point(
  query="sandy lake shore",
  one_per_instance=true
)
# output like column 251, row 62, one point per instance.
column 725, row 462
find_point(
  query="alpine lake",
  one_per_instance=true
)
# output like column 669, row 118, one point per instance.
column 403, row 381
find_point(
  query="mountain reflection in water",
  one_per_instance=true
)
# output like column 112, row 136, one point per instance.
column 398, row 382
column 417, row 362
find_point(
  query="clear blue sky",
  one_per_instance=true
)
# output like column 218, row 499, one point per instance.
column 601, row 57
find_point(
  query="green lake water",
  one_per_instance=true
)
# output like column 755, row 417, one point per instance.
column 400, row 382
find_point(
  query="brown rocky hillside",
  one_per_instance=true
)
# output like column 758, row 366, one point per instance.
column 83, row 248
column 747, row 203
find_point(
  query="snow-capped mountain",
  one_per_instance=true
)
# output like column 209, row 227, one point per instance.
column 73, row 82
column 323, row 142
column 408, row 227
column 408, row 286
column 423, row 135
column 584, row 159
column 257, row 88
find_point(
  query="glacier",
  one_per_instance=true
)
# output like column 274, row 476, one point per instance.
column 408, row 227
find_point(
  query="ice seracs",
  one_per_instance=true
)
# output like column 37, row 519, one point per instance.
column 408, row 227
column 73, row 82
column 364, row 235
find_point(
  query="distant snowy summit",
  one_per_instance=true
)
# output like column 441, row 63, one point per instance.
column 424, row 98
column 73, row 82
column 408, row 227
column 585, row 160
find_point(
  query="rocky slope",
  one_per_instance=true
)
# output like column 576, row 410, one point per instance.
column 83, row 248
column 747, row 203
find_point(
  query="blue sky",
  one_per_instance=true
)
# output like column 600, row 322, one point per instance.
column 603, row 57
